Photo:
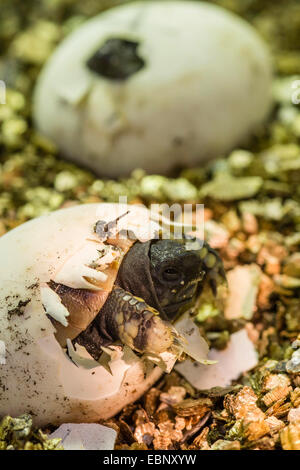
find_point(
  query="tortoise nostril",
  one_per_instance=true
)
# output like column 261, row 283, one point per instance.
column 201, row 276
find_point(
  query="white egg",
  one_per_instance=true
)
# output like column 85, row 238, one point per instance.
column 199, row 83
column 37, row 376
column 60, row 383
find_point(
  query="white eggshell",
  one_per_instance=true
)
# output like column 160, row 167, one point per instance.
column 2, row 353
column 36, row 376
column 85, row 436
column 239, row 357
column 205, row 87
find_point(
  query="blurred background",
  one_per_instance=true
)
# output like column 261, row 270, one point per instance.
column 33, row 180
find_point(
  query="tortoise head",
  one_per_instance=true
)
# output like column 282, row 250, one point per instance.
column 180, row 269
column 170, row 274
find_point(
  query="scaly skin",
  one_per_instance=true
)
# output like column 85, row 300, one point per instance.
column 131, row 320
column 157, row 281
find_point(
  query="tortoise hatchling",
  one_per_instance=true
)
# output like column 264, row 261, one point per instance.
column 89, row 300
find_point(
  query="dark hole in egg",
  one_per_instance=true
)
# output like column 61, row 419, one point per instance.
column 116, row 59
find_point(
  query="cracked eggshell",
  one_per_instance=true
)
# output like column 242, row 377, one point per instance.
column 239, row 357
column 2, row 353
column 90, row 436
column 36, row 376
column 205, row 87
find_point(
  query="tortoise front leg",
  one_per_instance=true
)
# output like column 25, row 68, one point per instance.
column 129, row 319
column 137, row 325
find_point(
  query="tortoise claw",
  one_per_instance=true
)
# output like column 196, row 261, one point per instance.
column 213, row 286
column 215, row 272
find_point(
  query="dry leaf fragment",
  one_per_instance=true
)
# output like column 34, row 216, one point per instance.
column 292, row 265
column 192, row 407
column 162, row 443
column 287, row 282
column 275, row 424
column 216, row 234
column 295, row 397
column 265, row 443
column 272, row 381
column 252, row 332
column 226, row 445
column 294, row 415
column 250, row 224
column 271, row 251
column 296, row 380
column 140, row 417
column 290, row 437
column 266, row 288
column 179, row 423
column 278, row 393
column 193, row 428
column 243, row 282
column 243, row 406
column 173, row 396
column 234, row 248
column 256, row 430
column 168, row 429
column 151, row 401
column 279, row 409
column 200, row 442
column 144, row 433
column 231, row 221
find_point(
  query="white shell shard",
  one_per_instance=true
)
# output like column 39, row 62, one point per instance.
column 38, row 376
column 194, row 345
column 239, row 357
column 108, row 256
column 2, row 353
column 77, row 268
column 191, row 342
column 86, row 436
column 83, row 383
column 75, row 94
column 80, row 356
column 207, row 73
column 53, row 306
column 138, row 221
column 165, row 361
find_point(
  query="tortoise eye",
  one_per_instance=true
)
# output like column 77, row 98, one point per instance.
column 171, row 274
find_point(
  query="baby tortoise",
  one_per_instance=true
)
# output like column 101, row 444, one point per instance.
column 87, row 311
column 156, row 282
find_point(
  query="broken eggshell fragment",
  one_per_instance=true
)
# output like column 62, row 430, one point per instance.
column 154, row 85
column 239, row 357
column 86, row 436
column 45, row 374
column 2, row 353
